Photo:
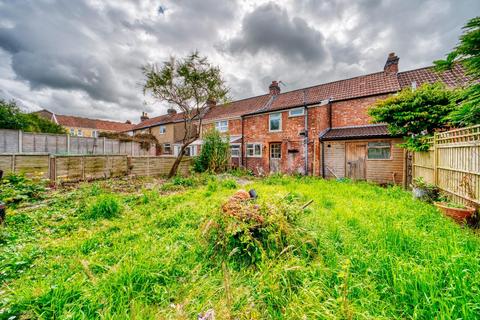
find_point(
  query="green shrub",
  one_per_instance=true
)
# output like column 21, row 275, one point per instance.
column 245, row 233
column 229, row 184
column 16, row 188
column 215, row 154
column 107, row 207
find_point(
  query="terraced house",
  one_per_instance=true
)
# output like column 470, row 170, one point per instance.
column 85, row 127
column 169, row 129
column 325, row 129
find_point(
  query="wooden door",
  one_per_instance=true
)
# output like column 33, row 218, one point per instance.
column 275, row 156
column 355, row 154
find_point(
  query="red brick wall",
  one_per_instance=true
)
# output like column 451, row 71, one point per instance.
column 293, row 157
column 344, row 113
column 352, row 112
column 234, row 127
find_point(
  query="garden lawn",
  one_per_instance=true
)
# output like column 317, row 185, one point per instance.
column 93, row 253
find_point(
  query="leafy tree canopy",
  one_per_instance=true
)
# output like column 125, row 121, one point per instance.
column 416, row 114
column 189, row 84
column 11, row 117
column 467, row 52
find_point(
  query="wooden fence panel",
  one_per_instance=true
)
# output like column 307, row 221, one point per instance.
column 6, row 163
column 37, row 166
column 89, row 167
column 453, row 164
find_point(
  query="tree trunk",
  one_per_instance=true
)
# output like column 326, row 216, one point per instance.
column 176, row 164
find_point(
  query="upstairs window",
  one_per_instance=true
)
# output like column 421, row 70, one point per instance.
column 379, row 150
column 162, row 129
column 254, row 150
column 95, row 134
column 72, row 131
column 275, row 123
column 221, row 126
column 79, row 133
column 296, row 112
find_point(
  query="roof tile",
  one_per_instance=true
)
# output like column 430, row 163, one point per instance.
column 370, row 131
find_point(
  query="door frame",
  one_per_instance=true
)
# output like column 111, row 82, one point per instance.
column 347, row 167
column 279, row 169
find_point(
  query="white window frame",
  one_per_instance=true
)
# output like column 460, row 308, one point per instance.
column 221, row 125
column 95, row 133
column 162, row 129
column 252, row 146
column 72, row 132
column 379, row 147
column 169, row 147
column 292, row 112
column 237, row 147
column 279, row 114
column 79, row 133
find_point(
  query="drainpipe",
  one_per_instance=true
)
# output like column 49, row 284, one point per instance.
column 321, row 141
column 242, row 158
column 305, row 139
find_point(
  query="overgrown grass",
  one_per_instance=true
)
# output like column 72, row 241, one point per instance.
column 378, row 255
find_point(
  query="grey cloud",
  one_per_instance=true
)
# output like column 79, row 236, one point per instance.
column 270, row 28
column 84, row 57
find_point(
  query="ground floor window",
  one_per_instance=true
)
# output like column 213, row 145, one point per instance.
column 167, row 148
column 254, row 150
column 235, row 150
column 379, row 150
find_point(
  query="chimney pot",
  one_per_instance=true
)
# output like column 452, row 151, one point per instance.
column 274, row 88
column 144, row 116
column 391, row 66
column 128, row 122
column 171, row 111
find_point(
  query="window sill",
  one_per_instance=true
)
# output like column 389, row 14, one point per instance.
column 254, row 156
column 274, row 131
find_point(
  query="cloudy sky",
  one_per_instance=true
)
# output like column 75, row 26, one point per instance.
column 83, row 57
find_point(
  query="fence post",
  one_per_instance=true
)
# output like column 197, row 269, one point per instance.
column 53, row 169
column 435, row 159
column 20, row 141
column 104, row 140
column 68, row 143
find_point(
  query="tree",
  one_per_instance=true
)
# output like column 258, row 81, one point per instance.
column 189, row 84
column 11, row 117
column 215, row 154
column 416, row 114
column 467, row 52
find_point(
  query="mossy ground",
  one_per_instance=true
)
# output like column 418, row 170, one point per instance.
column 380, row 255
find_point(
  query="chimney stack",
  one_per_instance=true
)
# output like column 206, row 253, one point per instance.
column 128, row 122
column 391, row 66
column 171, row 111
column 144, row 116
column 274, row 88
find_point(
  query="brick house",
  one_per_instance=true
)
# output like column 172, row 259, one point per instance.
column 169, row 129
column 84, row 127
column 323, row 130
